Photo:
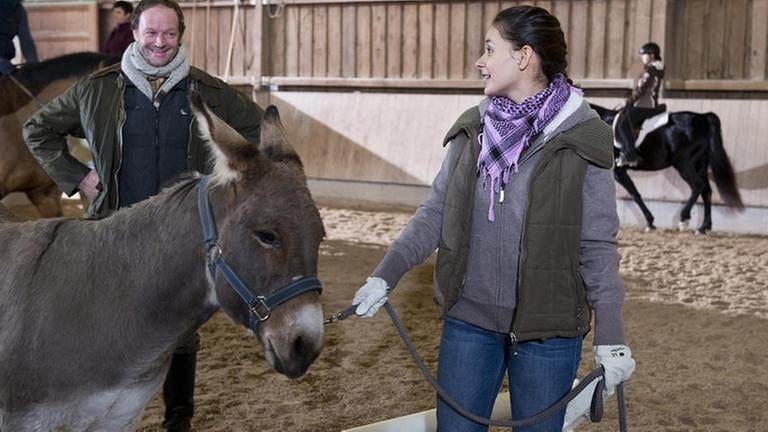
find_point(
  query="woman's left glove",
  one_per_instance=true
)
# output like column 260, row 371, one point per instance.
column 618, row 363
column 371, row 297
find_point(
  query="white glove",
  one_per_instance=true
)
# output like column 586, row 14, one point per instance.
column 371, row 297
column 618, row 363
column 578, row 408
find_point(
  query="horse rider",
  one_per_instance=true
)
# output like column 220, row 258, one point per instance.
column 13, row 17
column 642, row 104
column 139, row 126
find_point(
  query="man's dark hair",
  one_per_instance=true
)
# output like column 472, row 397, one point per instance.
column 127, row 7
column 147, row 4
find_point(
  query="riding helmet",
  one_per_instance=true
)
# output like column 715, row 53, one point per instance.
column 651, row 48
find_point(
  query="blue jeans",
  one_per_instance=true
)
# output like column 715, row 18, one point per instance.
column 471, row 369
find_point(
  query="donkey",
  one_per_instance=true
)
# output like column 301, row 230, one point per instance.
column 22, row 93
column 90, row 310
column 691, row 143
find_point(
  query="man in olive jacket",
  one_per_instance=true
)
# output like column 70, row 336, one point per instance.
column 141, row 133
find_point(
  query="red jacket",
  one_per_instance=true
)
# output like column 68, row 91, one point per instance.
column 119, row 39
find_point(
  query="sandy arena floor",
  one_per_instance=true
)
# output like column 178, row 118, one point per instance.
column 696, row 319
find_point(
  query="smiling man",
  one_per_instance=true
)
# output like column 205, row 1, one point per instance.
column 138, row 123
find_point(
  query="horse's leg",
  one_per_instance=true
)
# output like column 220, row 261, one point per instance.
column 706, row 196
column 622, row 177
column 699, row 186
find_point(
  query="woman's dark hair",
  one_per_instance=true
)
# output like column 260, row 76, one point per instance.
column 534, row 26
column 124, row 5
column 147, row 4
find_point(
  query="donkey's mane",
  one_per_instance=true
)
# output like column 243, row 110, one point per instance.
column 38, row 75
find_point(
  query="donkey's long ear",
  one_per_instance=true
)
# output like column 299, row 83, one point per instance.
column 274, row 139
column 231, row 151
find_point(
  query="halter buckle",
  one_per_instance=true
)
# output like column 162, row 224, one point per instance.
column 214, row 252
column 260, row 308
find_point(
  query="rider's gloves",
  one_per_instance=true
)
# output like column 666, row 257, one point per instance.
column 618, row 363
column 371, row 297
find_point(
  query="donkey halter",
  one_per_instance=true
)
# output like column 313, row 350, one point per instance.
column 259, row 306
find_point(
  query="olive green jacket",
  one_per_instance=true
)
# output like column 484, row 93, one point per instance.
column 93, row 109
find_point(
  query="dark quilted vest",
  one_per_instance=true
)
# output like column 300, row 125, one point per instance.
column 551, row 298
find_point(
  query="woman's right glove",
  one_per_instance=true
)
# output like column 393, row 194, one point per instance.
column 371, row 297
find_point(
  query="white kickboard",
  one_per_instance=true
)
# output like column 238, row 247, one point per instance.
column 425, row 421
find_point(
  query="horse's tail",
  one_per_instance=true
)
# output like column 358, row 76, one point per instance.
column 721, row 165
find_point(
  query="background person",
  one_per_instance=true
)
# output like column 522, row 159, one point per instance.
column 122, row 35
column 138, row 123
column 13, row 20
column 642, row 104
column 523, row 215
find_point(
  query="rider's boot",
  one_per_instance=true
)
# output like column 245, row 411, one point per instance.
column 627, row 160
column 179, row 391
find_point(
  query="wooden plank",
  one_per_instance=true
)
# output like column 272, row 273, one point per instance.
column 695, row 38
column 212, row 45
column 319, row 40
column 467, row 84
column 561, row 9
column 457, row 34
column 616, row 28
column 378, row 40
column 714, row 36
column 579, row 43
column 658, row 23
column 410, row 40
column 223, row 27
column 349, row 40
column 474, row 44
column 198, row 35
column 292, row 25
column 240, row 46
column 642, row 31
column 490, row 10
column 274, row 55
column 758, row 41
column 597, row 36
column 717, row 85
column 441, row 57
column 394, row 40
column 736, row 42
column 426, row 18
column 334, row 41
column 305, row 40
column 363, row 42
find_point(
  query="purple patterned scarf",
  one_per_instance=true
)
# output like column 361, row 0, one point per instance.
column 508, row 129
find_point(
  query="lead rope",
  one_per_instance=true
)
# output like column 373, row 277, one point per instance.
column 596, row 410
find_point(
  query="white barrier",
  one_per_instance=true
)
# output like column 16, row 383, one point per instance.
column 425, row 421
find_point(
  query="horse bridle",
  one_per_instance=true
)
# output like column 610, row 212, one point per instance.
column 259, row 307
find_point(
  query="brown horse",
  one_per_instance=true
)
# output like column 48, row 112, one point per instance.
column 90, row 310
column 22, row 93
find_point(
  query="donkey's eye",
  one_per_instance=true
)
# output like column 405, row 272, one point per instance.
column 267, row 239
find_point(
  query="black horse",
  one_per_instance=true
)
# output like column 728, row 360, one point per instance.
column 691, row 143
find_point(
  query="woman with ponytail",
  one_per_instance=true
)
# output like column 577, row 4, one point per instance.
column 523, row 215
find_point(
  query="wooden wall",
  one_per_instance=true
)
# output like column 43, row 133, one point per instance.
column 718, row 44
column 403, row 43
column 63, row 27
column 413, row 64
